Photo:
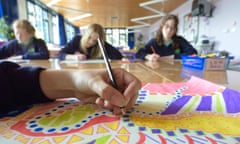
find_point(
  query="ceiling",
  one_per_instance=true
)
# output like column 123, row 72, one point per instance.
column 114, row 13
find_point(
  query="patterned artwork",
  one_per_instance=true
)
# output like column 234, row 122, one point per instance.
column 193, row 112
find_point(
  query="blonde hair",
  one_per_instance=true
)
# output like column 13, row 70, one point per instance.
column 24, row 24
column 97, row 28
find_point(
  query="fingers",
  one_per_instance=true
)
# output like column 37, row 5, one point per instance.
column 112, row 98
column 107, row 92
column 81, row 57
column 106, row 104
column 130, row 85
column 131, row 92
column 153, row 57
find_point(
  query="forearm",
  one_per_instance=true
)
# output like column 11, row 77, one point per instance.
column 71, row 57
column 65, row 83
column 91, row 85
column 57, row 84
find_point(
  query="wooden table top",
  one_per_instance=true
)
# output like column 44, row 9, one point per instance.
column 151, row 72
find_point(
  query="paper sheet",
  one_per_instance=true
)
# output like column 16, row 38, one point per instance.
column 195, row 111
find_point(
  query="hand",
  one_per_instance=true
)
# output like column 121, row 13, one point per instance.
column 92, row 86
column 109, row 97
column 76, row 57
column 152, row 57
column 81, row 56
column 15, row 57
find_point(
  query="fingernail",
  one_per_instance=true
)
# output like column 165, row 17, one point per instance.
column 106, row 103
column 122, row 110
column 97, row 100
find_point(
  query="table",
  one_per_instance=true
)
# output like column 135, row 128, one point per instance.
column 152, row 72
column 172, row 107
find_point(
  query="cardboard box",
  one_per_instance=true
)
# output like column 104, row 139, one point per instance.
column 215, row 64
column 205, row 63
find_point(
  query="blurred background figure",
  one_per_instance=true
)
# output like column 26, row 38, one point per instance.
column 86, row 47
column 166, row 42
column 25, row 45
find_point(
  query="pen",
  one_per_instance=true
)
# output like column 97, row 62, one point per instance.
column 153, row 50
column 109, row 69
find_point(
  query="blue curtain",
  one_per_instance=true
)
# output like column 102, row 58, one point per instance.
column 1, row 9
column 131, row 40
column 9, row 9
column 62, row 32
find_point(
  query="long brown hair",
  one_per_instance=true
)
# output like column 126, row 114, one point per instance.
column 97, row 28
column 159, row 36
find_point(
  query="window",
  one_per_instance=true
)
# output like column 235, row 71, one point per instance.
column 117, row 37
column 44, row 20
column 70, row 31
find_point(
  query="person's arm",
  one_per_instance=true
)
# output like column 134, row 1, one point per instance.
column 68, row 51
column 112, row 52
column 92, row 86
column 19, row 86
column 41, row 50
column 147, row 53
column 185, row 47
column 8, row 49
column 26, row 85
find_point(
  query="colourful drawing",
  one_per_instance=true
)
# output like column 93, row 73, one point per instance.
column 195, row 111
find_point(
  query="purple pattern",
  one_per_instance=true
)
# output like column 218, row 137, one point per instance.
column 232, row 100
column 205, row 104
column 177, row 105
column 156, row 131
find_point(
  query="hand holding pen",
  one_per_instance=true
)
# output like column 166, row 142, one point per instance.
column 154, row 56
column 129, row 101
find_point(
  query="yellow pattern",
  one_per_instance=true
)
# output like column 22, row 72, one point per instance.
column 8, row 134
column 102, row 130
column 45, row 142
column 114, row 125
column 208, row 121
column 22, row 139
column 59, row 139
column 123, row 130
column 123, row 138
column 113, row 141
column 10, row 123
column 36, row 140
column 88, row 131
column 74, row 139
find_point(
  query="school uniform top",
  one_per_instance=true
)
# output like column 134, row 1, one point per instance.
column 74, row 46
column 35, row 49
column 19, row 86
column 185, row 48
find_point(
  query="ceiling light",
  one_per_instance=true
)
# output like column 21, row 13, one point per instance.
column 141, row 19
column 52, row 2
column 150, row 2
column 80, row 17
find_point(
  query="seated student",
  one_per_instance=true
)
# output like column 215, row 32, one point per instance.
column 21, row 86
column 166, row 42
column 25, row 45
column 86, row 46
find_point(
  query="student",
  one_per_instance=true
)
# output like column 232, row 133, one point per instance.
column 166, row 42
column 86, row 47
column 20, row 86
column 25, row 45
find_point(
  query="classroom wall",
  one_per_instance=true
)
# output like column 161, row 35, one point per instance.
column 222, row 27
